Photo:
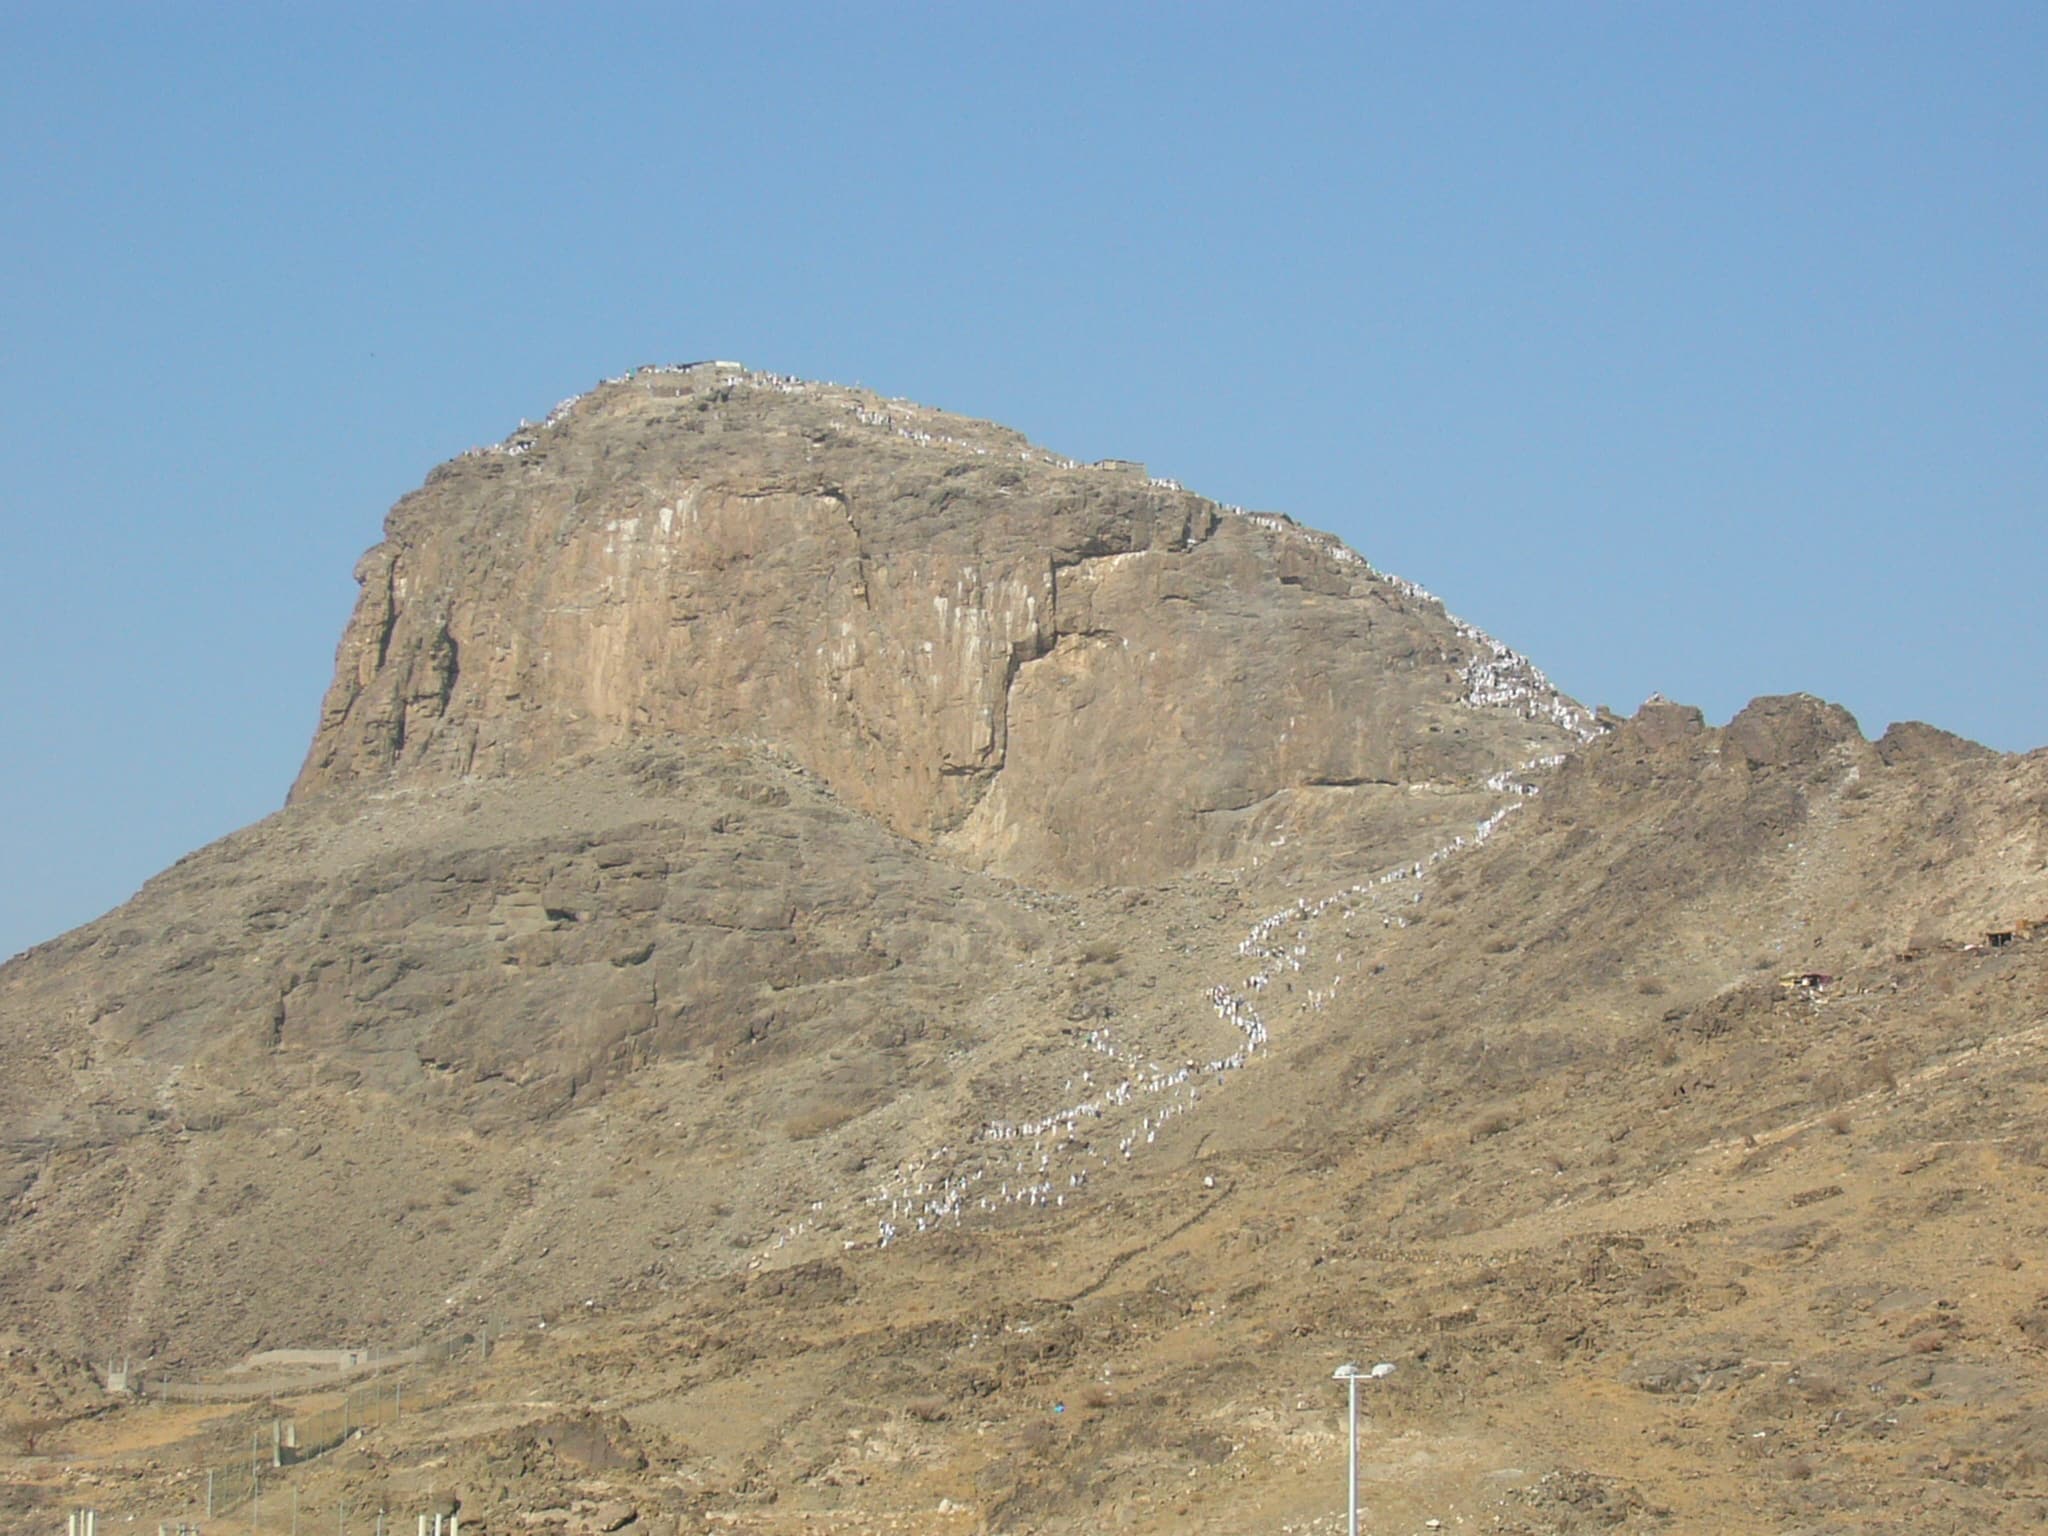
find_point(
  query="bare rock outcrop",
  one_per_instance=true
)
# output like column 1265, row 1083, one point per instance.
column 612, row 991
column 1066, row 672
column 654, row 748
column 1784, row 731
column 1917, row 741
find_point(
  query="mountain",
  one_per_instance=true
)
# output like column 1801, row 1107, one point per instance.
column 1069, row 674
column 903, row 981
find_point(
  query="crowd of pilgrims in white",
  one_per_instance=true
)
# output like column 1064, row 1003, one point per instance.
column 1038, row 1160
column 1125, row 1096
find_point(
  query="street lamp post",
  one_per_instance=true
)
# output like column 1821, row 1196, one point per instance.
column 1351, row 1376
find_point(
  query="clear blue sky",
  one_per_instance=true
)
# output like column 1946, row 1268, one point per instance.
column 1700, row 349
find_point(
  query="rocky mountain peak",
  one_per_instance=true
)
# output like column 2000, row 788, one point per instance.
column 1075, row 672
column 796, row 887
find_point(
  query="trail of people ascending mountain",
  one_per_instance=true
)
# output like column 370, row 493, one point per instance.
column 1040, row 1160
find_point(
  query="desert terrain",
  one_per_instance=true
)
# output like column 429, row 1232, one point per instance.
column 831, row 969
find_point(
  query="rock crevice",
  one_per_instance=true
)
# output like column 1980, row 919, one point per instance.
column 1049, row 669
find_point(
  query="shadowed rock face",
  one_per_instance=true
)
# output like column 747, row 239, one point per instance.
column 344, row 1062
column 1916, row 741
column 1068, row 673
column 1782, row 732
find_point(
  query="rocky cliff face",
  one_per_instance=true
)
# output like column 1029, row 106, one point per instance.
column 1068, row 673
column 618, row 985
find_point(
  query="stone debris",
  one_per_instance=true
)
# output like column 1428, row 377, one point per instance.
column 1039, row 1160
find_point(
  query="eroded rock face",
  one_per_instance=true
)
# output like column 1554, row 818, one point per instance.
column 1661, row 724
column 1782, row 731
column 625, row 864
column 1916, row 741
column 346, row 1059
column 1641, row 1073
column 1067, row 672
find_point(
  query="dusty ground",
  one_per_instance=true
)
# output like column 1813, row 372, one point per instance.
column 739, row 1164
column 1669, row 1248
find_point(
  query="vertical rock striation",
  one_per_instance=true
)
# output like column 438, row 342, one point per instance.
column 1068, row 673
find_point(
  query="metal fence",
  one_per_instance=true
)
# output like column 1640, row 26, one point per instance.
column 237, row 1480
column 270, row 1506
column 363, row 1407
column 244, row 1474
column 291, row 1383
